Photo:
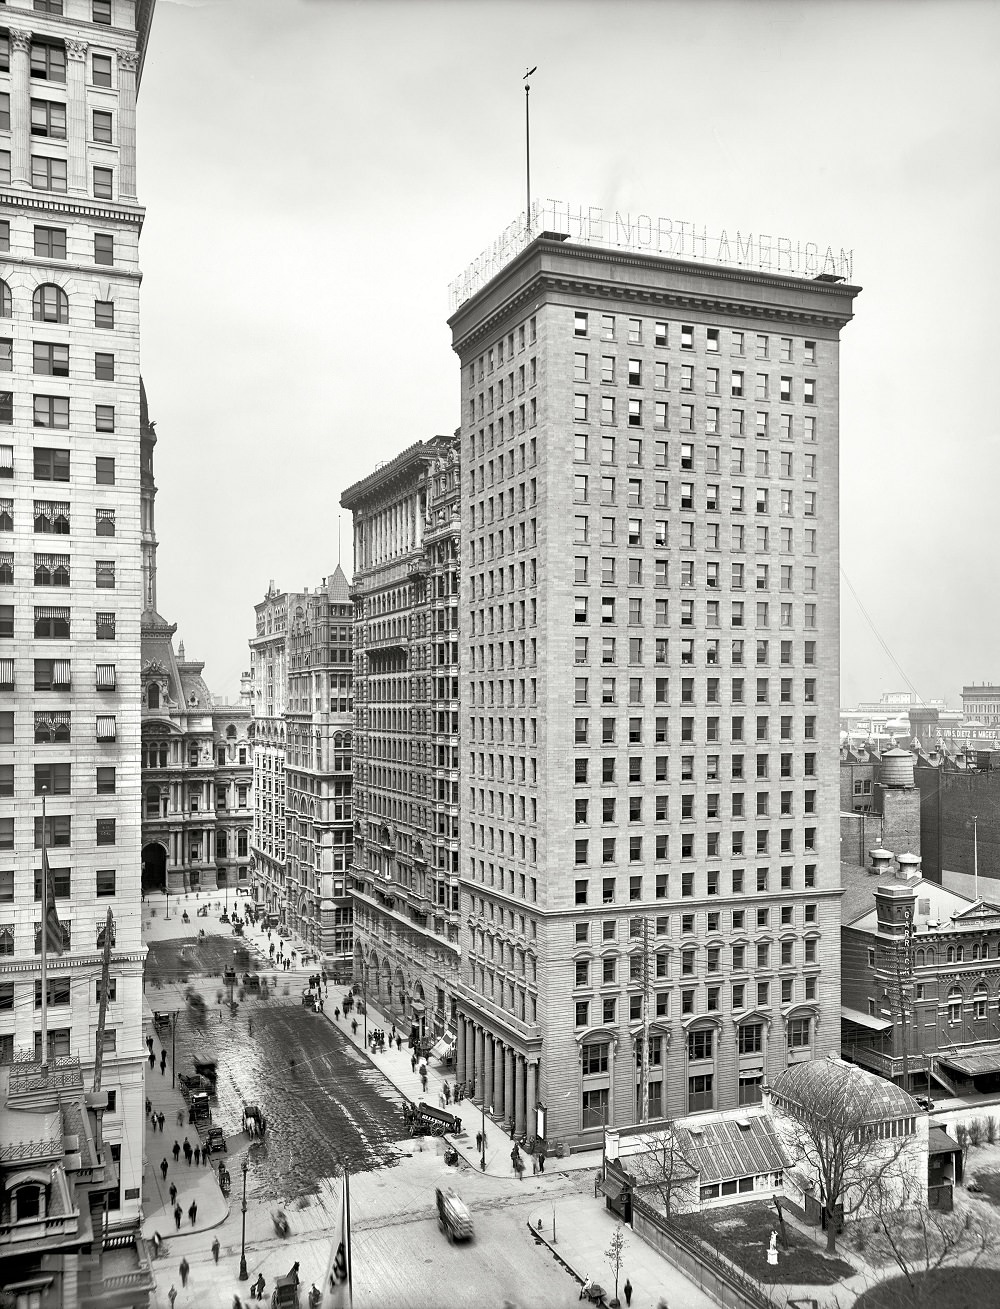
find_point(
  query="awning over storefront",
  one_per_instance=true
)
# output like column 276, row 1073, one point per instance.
column 443, row 1047
column 612, row 1188
column 939, row 1142
column 974, row 1062
column 870, row 1021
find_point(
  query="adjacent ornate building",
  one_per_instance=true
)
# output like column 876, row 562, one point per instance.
column 70, row 604
column 406, row 742
column 301, row 686
column 197, row 770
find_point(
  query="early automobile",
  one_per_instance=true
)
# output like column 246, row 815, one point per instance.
column 214, row 1140
column 199, row 1108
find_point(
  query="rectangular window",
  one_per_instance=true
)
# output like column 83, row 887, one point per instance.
column 104, row 313
column 104, row 248
column 48, row 174
column 48, row 61
column 101, row 70
column 102, row 126
column 104, row 183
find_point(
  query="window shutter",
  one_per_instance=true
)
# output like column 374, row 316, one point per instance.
column 61, row 672
column 106, row 727
column 7, row 674
column 105, row 677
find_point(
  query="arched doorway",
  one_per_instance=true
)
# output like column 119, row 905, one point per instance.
column 154, row 867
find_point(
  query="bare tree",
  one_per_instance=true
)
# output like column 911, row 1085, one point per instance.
column 841, row 1133
column 927, row 1239
column 660, row 1167
column 615, row 1253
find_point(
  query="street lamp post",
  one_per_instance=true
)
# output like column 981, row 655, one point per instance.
column 482, row 1161
column 243, row 1274
column 173, row 1052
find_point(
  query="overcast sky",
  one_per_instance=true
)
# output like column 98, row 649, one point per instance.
column 315, row 173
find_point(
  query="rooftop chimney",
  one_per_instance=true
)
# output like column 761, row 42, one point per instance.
column 881, row 861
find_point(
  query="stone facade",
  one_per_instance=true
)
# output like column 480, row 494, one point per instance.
column 71, row 588
column 301, row 684
column 406, row 802
column 269, row 683
column 650, row 654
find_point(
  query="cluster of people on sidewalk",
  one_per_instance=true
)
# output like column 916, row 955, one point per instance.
column 377, row 1039
column 155, row 1120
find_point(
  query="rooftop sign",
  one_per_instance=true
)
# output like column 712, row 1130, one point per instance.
column 642, row 234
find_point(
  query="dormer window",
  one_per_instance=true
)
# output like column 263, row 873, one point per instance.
column 153, row 696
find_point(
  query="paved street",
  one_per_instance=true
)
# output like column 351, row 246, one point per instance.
column 339, row 1108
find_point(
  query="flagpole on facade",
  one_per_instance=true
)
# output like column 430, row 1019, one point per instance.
column 45, row 910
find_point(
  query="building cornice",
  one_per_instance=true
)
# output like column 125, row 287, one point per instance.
column 133, row 216
column 553, row 282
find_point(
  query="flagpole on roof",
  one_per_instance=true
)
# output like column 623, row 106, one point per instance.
column 45, row 909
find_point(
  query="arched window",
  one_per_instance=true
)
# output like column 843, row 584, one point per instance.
column 951, row 954
column 979, row 1002
column 49, row 304
column 960, row 954
column 931, row 957
column 986, row 951
column 153, row 802
column 231, row 732
column 6, row 304
column 153, row 696
column 920, row 958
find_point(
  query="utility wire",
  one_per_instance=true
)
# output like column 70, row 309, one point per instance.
column 878, row 636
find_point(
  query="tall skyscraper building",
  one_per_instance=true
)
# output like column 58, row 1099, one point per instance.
column 649, row 664
column 302, row 696
column 406, row 740
column 70, row 603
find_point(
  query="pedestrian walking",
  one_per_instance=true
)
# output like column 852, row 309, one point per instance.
column 197, row 1156
column 149, row 1044
column 354, row 1026
column 541, row 1159
column 534, row 1165
column 258, row 1286
column 173, row 1193
column 163, row 1169
column 178, row 1215
column 216, row 1247
column 321, row 1008
column 184, row 1268
column 423, row 1081
column 336, row 1013
column 163, row 1060
column 413, row 1063
column 176, row 1151
column 479, row 1142
column 172, row 1296
column 628, row 1292
column 187, row 1149
column 152, row 1061
column 161, row 1120
column 447, row 1093
column 399, row 1042
column 193, row 1211
column 149, row 1106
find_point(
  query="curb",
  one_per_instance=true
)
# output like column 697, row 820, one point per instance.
column 536, row 1232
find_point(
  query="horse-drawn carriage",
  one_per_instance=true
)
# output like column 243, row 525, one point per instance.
column 254, row 1122
column 424, row 1119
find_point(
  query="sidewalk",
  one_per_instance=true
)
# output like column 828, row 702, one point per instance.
column 578, row 1230
column 396, row 1068
column 199, row 1183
